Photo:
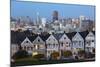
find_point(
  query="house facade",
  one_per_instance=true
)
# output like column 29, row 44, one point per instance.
column 27, row 45
column 90, row 42
column 65, row 43
column 77, row 43
column 39, row 45
column 52, row 45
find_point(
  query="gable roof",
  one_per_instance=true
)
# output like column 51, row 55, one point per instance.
column 19, row 37
column 71, row 35
column 44, row 37
column 63, row 36
column 84, row 34
column 32, row 38
column 77, row 35
column 38, row 38
column 58, row 36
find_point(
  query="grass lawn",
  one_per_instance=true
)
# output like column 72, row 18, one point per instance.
column 31, row 61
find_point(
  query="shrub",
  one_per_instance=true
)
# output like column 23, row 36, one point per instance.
column 81, row 53
column 67, row 53
column 39, row 56
column 55, row 55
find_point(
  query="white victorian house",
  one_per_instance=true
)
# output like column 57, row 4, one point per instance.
column 39, row 45
column 65, row 43
column 78, row 43
column 90, row 42
column 52, row 45
column 27, row 45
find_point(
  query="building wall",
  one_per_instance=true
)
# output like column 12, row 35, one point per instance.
column 90, row 42
column 52, row 45
column 65, row 43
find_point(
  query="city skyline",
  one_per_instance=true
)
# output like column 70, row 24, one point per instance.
column 45, row 10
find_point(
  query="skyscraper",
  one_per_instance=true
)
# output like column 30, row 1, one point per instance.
column 55, row 15
column 38, row 21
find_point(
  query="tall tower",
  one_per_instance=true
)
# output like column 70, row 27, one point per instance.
column 81, row 18
column 55, row 15
column 38, row 22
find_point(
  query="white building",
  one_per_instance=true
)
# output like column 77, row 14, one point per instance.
column 78, row 43
column 90, row 42
column 52, row 45
column 39, row 45
column 65, row 43
column 27, row 45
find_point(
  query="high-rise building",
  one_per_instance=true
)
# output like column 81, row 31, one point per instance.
column 38, row 20
column 55, row 15
column 43, row 20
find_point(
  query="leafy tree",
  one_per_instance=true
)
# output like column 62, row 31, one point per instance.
column 20, row 54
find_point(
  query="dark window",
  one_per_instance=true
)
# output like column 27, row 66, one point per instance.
column 31, row 48
column 87, row 42
column 26, row 41
column 69, row 44
column 66, row 42
column 28, row 48
column 34, row 46
column 24, row 47
column 92, row 40
column 64, row 37
column 62, row 44
column 38, row 40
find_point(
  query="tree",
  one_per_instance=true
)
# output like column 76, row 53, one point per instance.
column 20, row 54
column 67, row 53
column 55, row 55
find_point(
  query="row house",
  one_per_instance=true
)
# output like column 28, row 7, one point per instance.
column 90, row 42
column 47, row 44
column 52, row 45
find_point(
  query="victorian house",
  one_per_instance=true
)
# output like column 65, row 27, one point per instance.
column 52, row 45
column 77, row 43
column 90, row 42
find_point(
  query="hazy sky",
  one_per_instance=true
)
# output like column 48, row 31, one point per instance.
column 19, row 8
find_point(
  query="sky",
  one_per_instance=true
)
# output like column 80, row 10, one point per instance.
column 23, row 9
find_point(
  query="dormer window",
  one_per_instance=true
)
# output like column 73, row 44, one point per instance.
column 26, row 41
column 64, row 37
column 38, row 40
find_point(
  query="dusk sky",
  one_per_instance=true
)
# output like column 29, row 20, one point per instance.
column 30, row 9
